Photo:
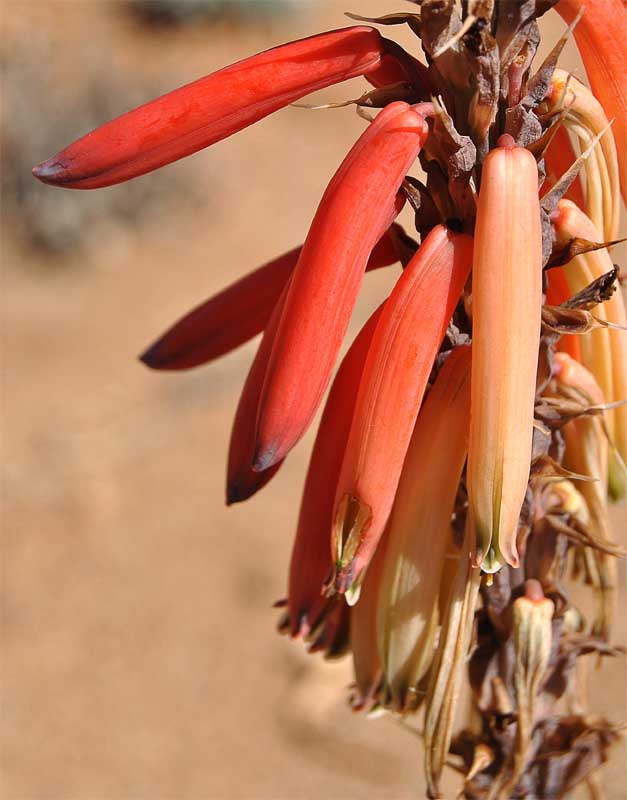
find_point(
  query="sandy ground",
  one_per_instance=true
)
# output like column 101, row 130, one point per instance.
column 139, row 654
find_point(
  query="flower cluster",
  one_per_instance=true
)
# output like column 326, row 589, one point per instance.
column 477, row 424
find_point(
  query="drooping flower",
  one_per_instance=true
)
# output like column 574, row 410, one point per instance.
column 404, row 345
column 420, row 532
column 506, row 312
column 585, row 119
column 355, row 210
column 586, row 454
column 210, row 109
column 311, row 564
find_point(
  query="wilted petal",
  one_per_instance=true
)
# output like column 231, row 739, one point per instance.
column 603, row 351
column 585, row 119
column 448, row 666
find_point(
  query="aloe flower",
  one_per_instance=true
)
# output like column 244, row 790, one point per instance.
column 475, row 427
column 507, row 302
column 210, row 109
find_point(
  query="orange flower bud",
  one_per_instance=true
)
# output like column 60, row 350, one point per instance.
column 356, row 208
column 404, row 346
column 210, row 109
column 507, row 305
column 419, row 531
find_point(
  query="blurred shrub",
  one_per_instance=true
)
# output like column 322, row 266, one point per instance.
column 51, row 103
column 177, row 12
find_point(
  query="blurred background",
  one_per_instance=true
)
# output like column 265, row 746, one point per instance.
column 140, row 658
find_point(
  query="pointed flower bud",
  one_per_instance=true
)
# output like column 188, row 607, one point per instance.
column 585, row 119
column 601, row 37
column 242, row 481
column 366, row 660
column 210, row 109
column 404, row 346
column 507, row 304
column 358, row 205
column 225, row 321
column 311, row 558
column 241, row 311
column 419, row 531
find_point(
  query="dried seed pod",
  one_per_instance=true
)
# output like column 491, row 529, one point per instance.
column 507, row 305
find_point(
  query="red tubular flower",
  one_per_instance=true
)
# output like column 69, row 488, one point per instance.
column 601, row 37
column 210, row 109
column 239, row 312
column 311, row 565
column 404, row 346
column 356, row 208
column 507, row 310
column 242, row 482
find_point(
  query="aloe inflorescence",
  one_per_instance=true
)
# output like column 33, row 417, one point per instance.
column 477, row 425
